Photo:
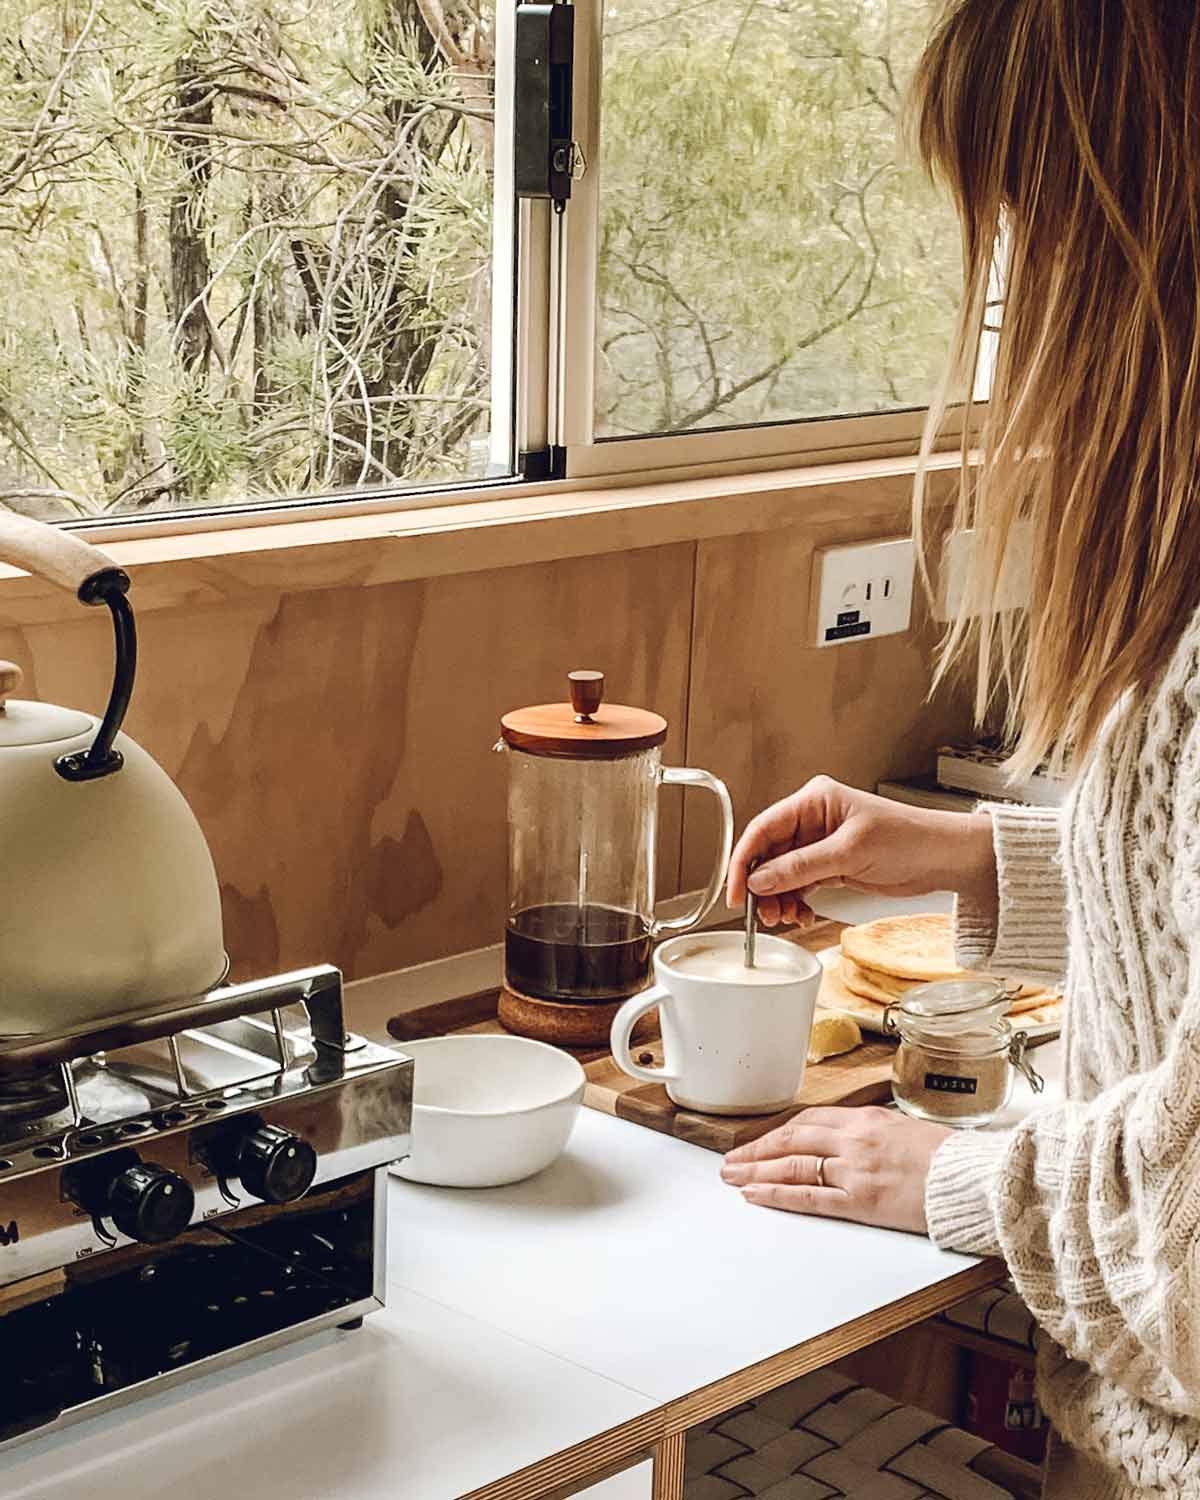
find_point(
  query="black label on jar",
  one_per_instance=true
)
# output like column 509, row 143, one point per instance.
column 945, row 1083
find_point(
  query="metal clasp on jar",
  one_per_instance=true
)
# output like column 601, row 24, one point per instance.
column 1018, row 1055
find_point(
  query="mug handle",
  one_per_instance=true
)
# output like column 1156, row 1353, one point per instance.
column 622, row 1030
column 679, row 776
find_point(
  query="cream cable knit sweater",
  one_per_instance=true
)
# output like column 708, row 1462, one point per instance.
column 1095, row 1203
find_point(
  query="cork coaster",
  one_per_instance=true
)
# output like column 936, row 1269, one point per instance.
column 566, row 1025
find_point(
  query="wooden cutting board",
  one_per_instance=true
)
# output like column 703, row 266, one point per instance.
column 859, row 1077
column 863, row 1076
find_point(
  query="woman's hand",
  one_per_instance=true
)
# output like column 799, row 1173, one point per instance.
column 829, row 834
column 873, row 1166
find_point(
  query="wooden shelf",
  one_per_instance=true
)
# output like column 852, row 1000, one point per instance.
column 661, row 1432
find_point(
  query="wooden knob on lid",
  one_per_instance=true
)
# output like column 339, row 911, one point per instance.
column 11, row 678
column 587, row 694
column 578, row 730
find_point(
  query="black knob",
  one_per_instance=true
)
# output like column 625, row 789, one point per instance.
column 150, row 1204
column 275, row 1165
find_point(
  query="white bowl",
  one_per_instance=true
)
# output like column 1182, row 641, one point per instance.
column 488, row 1109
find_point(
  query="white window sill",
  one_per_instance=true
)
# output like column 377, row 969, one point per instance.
column 373, row 547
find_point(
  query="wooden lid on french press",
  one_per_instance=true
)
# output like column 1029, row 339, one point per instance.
column 586, row 728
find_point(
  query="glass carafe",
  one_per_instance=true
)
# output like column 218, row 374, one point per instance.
column 582, row 839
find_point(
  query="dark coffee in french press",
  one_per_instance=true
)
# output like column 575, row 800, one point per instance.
column 577, row 953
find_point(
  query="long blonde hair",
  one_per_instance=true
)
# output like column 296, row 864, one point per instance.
column 1068, row 132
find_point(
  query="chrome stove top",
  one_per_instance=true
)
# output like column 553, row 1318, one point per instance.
column 216, row 1169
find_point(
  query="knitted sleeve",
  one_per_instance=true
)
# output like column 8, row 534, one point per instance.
column 1024, row 935
column 1095, row 1205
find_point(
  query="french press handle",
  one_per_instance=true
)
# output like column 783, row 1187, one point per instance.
column 680, row 776
column 587, row 693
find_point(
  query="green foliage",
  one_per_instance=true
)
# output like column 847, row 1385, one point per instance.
column 245, row 244
column 241, row 242
column 764, row 252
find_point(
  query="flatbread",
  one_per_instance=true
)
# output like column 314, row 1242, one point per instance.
column 873, row 984
column 835, row 996
column 1033, row 1013
column 885, row 989
column 918, row 947
column 1028, row 998
column 1050, row 1013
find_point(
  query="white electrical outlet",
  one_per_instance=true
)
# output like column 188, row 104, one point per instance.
column 862, row 591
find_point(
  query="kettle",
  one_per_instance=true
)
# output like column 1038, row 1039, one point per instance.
column 109, row 903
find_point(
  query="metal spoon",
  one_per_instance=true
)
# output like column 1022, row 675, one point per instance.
column 751, row 918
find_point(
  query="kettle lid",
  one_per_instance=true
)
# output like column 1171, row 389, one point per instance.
column 587, row 728
column 24, row 723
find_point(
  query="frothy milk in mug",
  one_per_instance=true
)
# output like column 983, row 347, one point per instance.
column 702, row 958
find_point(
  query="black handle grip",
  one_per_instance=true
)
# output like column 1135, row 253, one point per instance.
column 110, row 586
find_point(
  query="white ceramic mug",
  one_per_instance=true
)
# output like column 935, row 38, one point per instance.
column 730, row 1047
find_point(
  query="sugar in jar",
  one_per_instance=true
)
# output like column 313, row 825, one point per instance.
column 957, row 1052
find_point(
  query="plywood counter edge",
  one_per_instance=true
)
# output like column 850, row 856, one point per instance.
column 441, row 537
column 660, row 1431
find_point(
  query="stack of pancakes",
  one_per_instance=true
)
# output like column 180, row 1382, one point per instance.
column 881, row 961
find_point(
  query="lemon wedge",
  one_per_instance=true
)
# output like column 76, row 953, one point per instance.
column 832, row 1034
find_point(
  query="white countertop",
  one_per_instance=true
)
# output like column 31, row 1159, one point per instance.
column 630, row 1257
column 520, row 1321
column 420, row 1404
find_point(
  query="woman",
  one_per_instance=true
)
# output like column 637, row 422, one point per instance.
column 1068, row 132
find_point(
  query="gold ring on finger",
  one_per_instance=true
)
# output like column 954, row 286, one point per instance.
column 820, row 1171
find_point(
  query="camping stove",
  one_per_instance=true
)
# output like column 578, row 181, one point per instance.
column 186, row 1187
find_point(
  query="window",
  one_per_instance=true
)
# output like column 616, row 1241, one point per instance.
column 254, row 251
column 246, row 249
column 763, row 253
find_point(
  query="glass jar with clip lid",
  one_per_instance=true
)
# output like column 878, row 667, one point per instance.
column 958, row 1051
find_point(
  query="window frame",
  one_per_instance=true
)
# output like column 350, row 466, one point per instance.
column 792, row 443
column 543, row 319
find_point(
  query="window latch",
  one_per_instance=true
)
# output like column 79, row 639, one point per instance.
column 546, row 158
column 570, row 159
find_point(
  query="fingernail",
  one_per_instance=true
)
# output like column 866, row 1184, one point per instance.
column 762, row 882
column 751, row 1193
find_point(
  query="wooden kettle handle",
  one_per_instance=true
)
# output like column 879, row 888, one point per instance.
column 49, row 552
column 11, row 678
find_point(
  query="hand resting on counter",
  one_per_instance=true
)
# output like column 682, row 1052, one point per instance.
column 872, row 1166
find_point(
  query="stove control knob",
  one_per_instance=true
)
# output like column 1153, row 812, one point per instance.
column 150, row 1204
column 275, row 1165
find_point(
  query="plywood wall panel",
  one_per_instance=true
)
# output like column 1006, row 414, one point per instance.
column 768, row 710
column 336, row 744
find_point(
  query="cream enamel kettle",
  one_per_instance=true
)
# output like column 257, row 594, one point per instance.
column 109, row 902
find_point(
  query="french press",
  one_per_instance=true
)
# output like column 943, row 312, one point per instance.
column 582, row 837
